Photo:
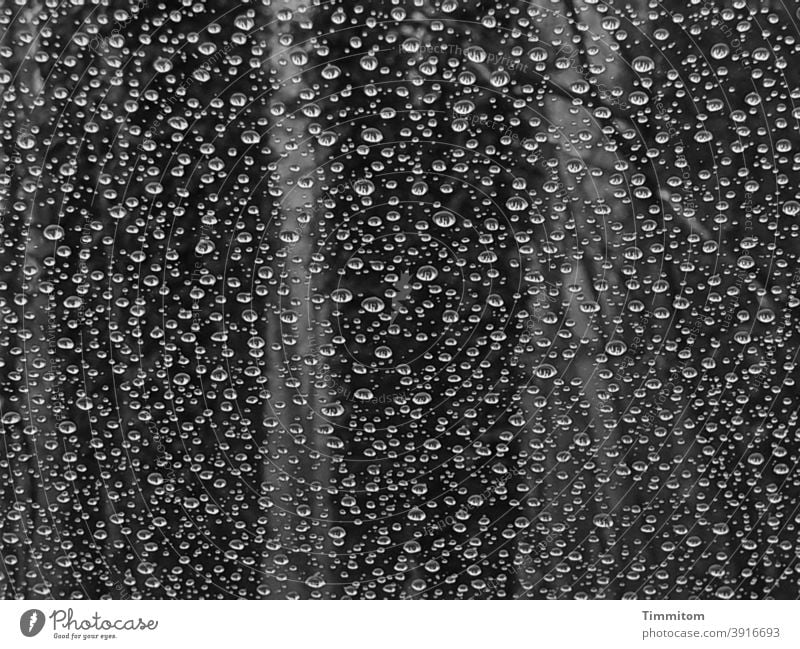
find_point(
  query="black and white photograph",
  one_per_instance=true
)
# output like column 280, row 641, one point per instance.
column 400, row 300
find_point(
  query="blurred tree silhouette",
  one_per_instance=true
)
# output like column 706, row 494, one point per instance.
column 430, row 300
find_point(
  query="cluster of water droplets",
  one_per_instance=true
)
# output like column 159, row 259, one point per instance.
column 425, row 301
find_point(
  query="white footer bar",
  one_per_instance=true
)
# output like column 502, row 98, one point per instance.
column 400, row 625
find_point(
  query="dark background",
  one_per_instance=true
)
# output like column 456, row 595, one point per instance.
column 295, row 305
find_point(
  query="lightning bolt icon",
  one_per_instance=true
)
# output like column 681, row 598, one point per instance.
column 32, row 621
column 403, row 291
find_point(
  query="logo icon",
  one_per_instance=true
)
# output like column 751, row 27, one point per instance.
column 31, row 622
